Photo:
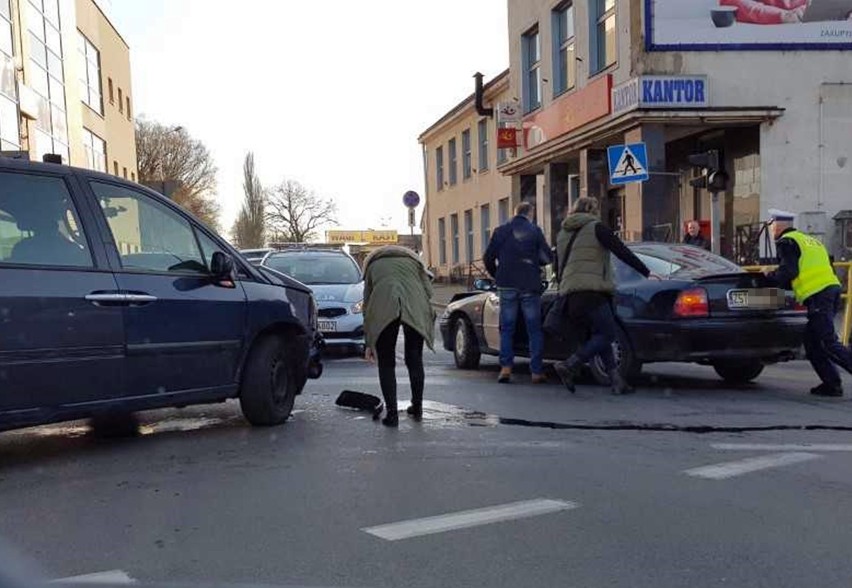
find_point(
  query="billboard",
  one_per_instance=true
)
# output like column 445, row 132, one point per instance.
column 730, row 25
column 370, row 237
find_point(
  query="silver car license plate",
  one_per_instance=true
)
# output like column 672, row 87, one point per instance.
column 327, row 326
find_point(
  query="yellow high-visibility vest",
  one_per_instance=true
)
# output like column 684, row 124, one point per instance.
column 815, row 270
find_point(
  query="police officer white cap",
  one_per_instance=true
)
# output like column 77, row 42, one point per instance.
column 781, row 215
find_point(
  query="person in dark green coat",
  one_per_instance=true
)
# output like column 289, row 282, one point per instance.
column 398, row 294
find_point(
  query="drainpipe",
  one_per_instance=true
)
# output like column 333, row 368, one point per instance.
column 480, row 107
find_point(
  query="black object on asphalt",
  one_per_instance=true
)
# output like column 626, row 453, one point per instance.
column 361, row 401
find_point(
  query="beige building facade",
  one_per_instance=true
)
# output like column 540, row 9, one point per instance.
column 466, row 197
column 66, row 85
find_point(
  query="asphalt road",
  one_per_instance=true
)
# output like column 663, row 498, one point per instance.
column 591, row 490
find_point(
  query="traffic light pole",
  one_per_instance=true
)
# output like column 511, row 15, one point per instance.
column 715, row 224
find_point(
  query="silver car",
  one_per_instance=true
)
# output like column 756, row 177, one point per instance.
column 338, row 288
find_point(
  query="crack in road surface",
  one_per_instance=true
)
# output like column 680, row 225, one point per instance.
column 666, row 427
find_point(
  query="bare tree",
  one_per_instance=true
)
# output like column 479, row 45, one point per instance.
column 294, row 213
column 249, row 231
column 169, row 154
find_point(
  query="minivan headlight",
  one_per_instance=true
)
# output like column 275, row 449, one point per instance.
column 358, row 307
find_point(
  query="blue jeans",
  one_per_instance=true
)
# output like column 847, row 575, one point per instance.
column 821, row 345
column 529, row 303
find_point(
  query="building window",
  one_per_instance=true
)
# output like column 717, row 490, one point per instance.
column 111, row 91
column 439, row 167
column 466, row 154
column 503, row 211
column 604, row 36
column 468, row 232
column 90, row 74
column 531, row 55
column 120, row 100
column 127, row 101
column 115, row 168
column 482, row 136
column 132, row 176
column 485, row 224
column 454, row 230
column 442, row 241
column 564, row 53
column 454, row 172
column 46, row 77
column 10, row 133
column 95, row 151
column 124, row 175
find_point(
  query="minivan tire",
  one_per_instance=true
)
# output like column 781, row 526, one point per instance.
column 269, row 386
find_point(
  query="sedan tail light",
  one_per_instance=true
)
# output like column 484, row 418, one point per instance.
column 692, row 303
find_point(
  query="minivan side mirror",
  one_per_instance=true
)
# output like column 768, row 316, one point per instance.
column 222, row 268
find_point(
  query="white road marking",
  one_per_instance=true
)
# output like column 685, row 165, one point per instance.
column 111, row 577
column 782, row 447
column 469, row 518
column 730, row 469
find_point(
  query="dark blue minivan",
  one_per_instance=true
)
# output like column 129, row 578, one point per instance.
column 114, row 299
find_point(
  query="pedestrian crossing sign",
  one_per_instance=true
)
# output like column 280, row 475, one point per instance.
column 628, row 163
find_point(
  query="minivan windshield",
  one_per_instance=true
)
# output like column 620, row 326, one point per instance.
column 315, row 269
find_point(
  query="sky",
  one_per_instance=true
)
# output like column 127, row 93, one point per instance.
column 330, row 93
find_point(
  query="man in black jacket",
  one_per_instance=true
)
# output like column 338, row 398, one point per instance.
column 694, row 237
column 514, row 258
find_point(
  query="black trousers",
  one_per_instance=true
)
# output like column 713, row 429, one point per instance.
column 386, row 357
column 823, row 348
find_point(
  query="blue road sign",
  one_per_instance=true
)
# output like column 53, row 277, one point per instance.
column 627, row 163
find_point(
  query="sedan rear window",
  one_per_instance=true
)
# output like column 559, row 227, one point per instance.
column 683, row 261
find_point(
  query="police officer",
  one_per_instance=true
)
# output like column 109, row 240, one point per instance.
column 805, row 266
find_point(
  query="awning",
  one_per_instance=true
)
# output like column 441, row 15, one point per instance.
column 611, row 130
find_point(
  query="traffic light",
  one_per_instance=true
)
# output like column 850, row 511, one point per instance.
column 712, row 177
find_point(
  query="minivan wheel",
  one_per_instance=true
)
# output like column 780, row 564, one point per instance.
column 269, row 387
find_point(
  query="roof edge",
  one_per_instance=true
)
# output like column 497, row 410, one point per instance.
column 110, row 23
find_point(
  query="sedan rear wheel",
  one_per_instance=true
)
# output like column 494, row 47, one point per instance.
column 625, row 361
column 738, row 372
column 466, row 348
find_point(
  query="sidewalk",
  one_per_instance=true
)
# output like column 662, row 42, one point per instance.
column 443, row 293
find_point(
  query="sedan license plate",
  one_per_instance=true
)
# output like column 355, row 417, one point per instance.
column 327, row 326
column 756, row 299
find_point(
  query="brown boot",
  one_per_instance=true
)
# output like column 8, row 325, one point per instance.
column 539, row 379
column 505, row 376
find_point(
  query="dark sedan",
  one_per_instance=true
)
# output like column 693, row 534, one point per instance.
column 706, row 310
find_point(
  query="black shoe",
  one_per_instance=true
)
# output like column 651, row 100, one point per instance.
column 391, row 420
column 566, row 372
column 415, row 411
column 827, row 391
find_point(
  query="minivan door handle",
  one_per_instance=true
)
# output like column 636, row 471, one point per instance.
column 107, row 298
column 139, row 299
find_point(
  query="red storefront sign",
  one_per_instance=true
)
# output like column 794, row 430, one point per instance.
column 507, row 138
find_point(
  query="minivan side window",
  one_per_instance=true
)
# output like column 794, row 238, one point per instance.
column 149, row 236
column 39, row 224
